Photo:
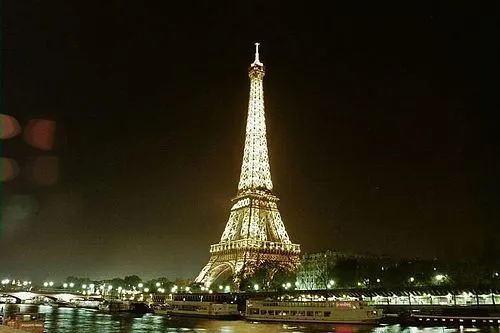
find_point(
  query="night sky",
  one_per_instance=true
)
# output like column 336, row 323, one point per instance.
column 382, row 130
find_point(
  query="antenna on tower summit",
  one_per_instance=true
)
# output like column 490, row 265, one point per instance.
column 257, row 61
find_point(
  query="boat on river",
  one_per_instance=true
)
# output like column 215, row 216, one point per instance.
column 124, row 306
column 349, row 312
column 430, row 319
column 86, row 303
column 210, row 310
column 26, row 322
column 161, row 309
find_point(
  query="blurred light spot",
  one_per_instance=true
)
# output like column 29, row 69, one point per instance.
column 44, row 170
column 40, row 133
column 20, row 207
column 345, row 329
column 9, row 169
column 10, row 126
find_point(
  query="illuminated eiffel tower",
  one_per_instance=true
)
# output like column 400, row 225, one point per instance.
column 254, row 232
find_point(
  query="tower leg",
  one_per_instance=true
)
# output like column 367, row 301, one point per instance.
column 204, row 274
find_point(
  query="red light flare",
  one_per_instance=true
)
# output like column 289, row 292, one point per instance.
column 40, row 133
column 344, row 329
column 9, row 169
column 10, row 126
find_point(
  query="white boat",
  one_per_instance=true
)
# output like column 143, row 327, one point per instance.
column 161, row 309
column 352, row 312
column 87, row 303
column 26, row 322
column 212, row 310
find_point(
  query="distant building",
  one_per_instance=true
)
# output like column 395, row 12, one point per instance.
column 317, row 270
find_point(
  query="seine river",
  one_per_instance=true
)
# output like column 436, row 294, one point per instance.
column 70, row 320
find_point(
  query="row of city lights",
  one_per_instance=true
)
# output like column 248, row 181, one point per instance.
column 331, row 283
column 140, row 287
column 16, row 282
column 91, row 288
column 256, row 287
column 106, row 288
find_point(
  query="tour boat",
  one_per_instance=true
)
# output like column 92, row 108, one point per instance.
column 87, row 303
column 161, row 309
column 27, row 322
column 352, row 312
column 422, row 319
column 212, row 310
column 124, row 306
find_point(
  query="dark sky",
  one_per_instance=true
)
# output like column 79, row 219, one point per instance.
column 381, row 118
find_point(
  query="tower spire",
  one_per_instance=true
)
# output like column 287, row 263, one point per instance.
column 257, row 61
column 255, row 171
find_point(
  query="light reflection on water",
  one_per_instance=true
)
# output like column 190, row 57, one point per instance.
column 69, row 320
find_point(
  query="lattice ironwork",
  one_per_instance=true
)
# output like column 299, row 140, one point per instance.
column 254, row 232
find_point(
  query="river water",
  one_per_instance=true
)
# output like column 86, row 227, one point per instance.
column 71, row 320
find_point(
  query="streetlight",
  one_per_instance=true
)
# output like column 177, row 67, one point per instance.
column 256, row 287
column 412, row 279
column 439, row 277
column 65, row 285
column 71, row 284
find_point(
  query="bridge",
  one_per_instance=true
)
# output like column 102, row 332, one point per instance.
column 418, row 296
column 31, row 297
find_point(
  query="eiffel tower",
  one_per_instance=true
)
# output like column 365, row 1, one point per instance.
column 254, row 232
